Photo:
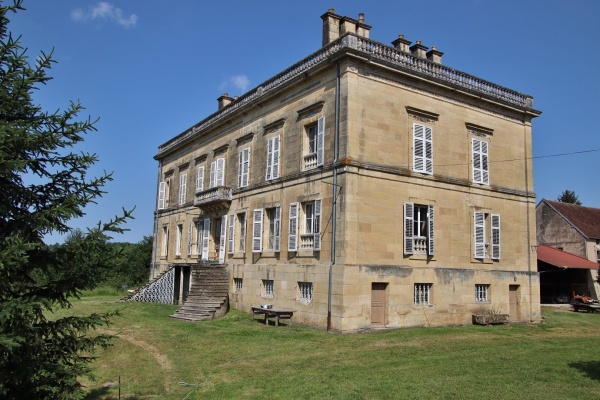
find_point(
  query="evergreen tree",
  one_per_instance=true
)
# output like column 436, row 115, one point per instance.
column 569, row 196
column 43, row 186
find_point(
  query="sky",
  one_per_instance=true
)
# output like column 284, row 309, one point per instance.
column 151, row 69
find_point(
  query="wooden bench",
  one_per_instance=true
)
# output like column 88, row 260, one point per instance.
column 277, row 313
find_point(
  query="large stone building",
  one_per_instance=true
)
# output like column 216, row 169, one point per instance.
column 365, row 186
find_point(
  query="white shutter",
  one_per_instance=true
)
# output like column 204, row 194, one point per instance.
column 189, row 238
column 418, row 148
column 162, row 190
column 495, row 236
column 220, row 172
column 165, row 241
column 479, row 234
column 269, row 159
column 428, row 150
column 213, row 174
column 277, row 233
column 243, row 234
column 206, row 239
column 293, row 228
column 222, row 239
column 244, row 167
column 485, row 175
column 231, row 237
column 276, row 152
column 178, row 242
column 480, row 162
column 199, row 236
column 182, row 188
column 408, row 228
column 430, row 226
column 200, row 179
column 320, row 141
column 257, row 230
column 317, row 226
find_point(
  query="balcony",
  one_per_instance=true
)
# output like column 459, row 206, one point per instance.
column 420, row 245
column 310, row 160
column 307, row 241
column 214, row 199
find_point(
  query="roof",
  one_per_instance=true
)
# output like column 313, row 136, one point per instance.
column 584, row 219
column 563, row 259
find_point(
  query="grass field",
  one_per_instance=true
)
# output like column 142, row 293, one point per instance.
column 237, row 357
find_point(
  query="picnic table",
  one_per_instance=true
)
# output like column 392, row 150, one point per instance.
column 277, row 313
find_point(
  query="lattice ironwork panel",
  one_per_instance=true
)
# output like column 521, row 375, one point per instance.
column 159, row 291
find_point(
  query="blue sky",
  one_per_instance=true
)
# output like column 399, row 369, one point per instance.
column 151, row 69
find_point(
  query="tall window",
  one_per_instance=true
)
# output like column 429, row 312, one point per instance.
column 481, row 293
column 273, row 153
column 182, row 188
column 257, row 224
column 199, row 234
column 165, row 243
column 190, row 237
column 418, row 229
column 200, row 179
column 267, row 288
column 422, row 149
column 274, row 239
column 217, row 173
column 481, row 221
column 305, row 291
column 178, row 243
column 480, row 161
column 293, row 227
column 315, row 141
column 238, row 282
column 242, row 236
column 422, row 293
column 163, row 195
column 244, row 167
column 311, row 238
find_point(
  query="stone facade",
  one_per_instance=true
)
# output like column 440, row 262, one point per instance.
column 352, row 175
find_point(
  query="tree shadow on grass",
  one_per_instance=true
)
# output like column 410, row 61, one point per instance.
column 591, row 368
column 103, row 394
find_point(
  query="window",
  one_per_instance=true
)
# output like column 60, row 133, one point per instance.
column 273, row 158
column 257, row 230
column 200, row 179
column 217, row 173
column 182, row 188
column 199, row 234
column 305, row 290
column 293, row 228
column 598, row 250
column 267, row 288
column 178, row 243
column 165, row 244
column 311, row 238
column 231, row 235
column 274, row 239
column 244, row 167
column 315, row 140
column 481, row 221
column 480, row 161
column 238, row 282
column 418, row 229
column 205, row 238
column 220, row 236
column 423, row 294
column 163, row 195
column 481, row 292
column 422, row 149
column 189, row 238
column 242, row 236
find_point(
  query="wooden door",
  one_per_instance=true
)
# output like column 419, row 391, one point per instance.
column 514, row 303
column 378, row 303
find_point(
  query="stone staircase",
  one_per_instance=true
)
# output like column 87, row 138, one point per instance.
column 132, row 294
column 208, row 297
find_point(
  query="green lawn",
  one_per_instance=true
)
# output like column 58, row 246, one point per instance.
column 236, row 357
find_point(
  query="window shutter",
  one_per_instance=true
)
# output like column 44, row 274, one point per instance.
column 189, row 238
column 428, row 150
column 244, row 167
column 165, row 241
column 182, row 188
column 222, row 240
column 317, row 226
column 430, row 225
column 200, row 178
column 495, row 236
column 320, row 141
column 485, row 175
column 276, row 153
column 213, row 174
column 418, row 148
column 277, row 243
column 178, row 240
column 231, row 238
column 243, row 234
column 162, row 189
column 220, row 172
column 293, row 228
column 479, row 229
column 199, row 236
column 257, row 231
column 206, row 239
column 480, row 162
column 269, row 159
column 408, row 228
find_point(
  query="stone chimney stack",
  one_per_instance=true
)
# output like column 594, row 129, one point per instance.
column 224, row 100
column 335, row 26
column 402, row 44
column 418, row 50
column 435, row 55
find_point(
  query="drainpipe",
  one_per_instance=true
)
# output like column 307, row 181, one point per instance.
column 155, row 238
column 335, row 188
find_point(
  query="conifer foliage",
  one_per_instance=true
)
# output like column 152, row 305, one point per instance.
column 43, row 185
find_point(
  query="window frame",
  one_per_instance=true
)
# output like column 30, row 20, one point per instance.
column 305, row 292
column 409, row 233
column 423, row 140
column 268, row 288
column 422, row 294
column 273, row 157
column 182, row 188
column 244, row 167
column 482, row 293
column 200, row 179
column 178, row 240
column 480, row 161
column 217, row 173
column 274, row 228
column 482, row 249
column 238, row 284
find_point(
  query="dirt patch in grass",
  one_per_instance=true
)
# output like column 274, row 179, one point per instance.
column 162, row 359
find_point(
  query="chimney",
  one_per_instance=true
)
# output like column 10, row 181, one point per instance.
column 402, row 44
column 418, row 50
column 331, row 26
column 347, row 24
column 362, row 29
column 224, row 100
column 435, row 55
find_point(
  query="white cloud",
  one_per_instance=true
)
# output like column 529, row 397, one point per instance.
column 239, row 82
column 106, row 11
